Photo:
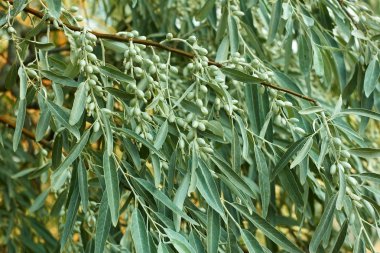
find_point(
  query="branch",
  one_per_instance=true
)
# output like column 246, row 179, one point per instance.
column 10, row 122
column 157, row 45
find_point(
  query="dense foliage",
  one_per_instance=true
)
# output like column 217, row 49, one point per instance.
column 189, row 126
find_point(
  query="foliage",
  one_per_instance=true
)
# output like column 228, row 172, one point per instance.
column 141, row 143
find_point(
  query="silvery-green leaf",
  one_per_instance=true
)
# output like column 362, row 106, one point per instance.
column 112, row 186
column 302, row 153
column 79, row 104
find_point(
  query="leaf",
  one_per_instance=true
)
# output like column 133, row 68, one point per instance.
column 342, row 190
column 368, row 153
column 340, row 238
column 360, row 112
column 161, row 135
column 240, row 76
column 264, row 180
column 235, row 151
column 287, row 156
column 213, row 230
column 326, row 219
column 74, row 153
column 112, row 186
column 66, row 81
column 139, row 233
column 179, row 241
column 371, row 76
column 83, row 185
column 161, row 197
column 23, row 82
column 39, row 201
column 19, row 123
column 108, row 133
column 205, row 10
column 304, row 54
column 233, row 34
column 302, row 153
column 43, row 123
column 71, row 215
column 310, row 110
column 267, row 229
column 275, row 20
column 369, row 176
column 114, row 73
column 179, row 199
column 62, row 118
column 54, row 7
column 103, row 225
column 250, row 241
column 79, row 104
column 207, row 187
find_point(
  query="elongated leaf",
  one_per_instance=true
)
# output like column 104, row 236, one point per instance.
column 179, row 199
column 233, row 34
column 275, row 20
column 43, row 124
column 213, row 230
column 62, row 118
column 161, row 135
column 207, row 187
column 103, row 225
column 205, row 10
column 251, row 242
column 79, row 104
column 54, row 7
column 368, row 153
column 19, row 123
column 369, row 176
column 139, row 233
column 83, row 185
column 23, row 82
column 360, row 112
column 268, row 230
column 39, row 201
column 341, row 237
column 371, row 76
column 66, row 81
column 179, row 242
column 70, row 217
column 264, row 180
column 342, row 190
column 74, row 153
column 303, row 152
column 240, row 76
column 112, row 186
column 326, row 219
column 292, row 150
column 113, row 72
column 161, row 197
column 108, row 133
column 310, row 110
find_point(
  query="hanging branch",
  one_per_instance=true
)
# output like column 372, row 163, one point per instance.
column 157, row 45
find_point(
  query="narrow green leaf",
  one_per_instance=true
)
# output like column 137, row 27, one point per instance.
column 103, row 225
column 83, row 184
column 107, row 132
column 235, row 151
column 311, row 110
column 112, row 186
column 326, row 219
column 39, row 201
column 73, row 154
column 161, row 135
column 251, row 242
column 66, row 81
column 294, row 148
column 275, row 20
column 302, row 153
column 63, row 118
column 340, row 238
column 342, row 190
column 23, row 82
column 19, row 123
column 79, row 104
column 368, row 153
column 114, row 73
column 179, row 199
column 139, row 233
column 360, row 112
column 264, row 180
column 54, row 7
column 304, row 54
column 213, row 230
column 369, row 176
column 71, row 215
column 233, row 34
column 179, row 242
column 371, row 76
column 268, row 230
column 240, row 76
column 43, row 123
column 205, row 10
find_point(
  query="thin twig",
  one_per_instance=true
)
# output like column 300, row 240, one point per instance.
column 157, row 45
column 10, row 122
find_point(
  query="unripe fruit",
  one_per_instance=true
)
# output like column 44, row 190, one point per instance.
column 204, row 110
column 345, row 154
column 203, row 88
column 89, row 69
column 201, row 126
column 156, row 58
column 181, row 144
column 11, row 30
column 137, row 111
column 294, row 120
column 201, row 141
column 280, row 103
column 299, row 130
column 333, row 169
column 96, row 126
column 91, row 82
column 337, row 141
column 89, row 48
column 31, row 73
column 74, row 8
column 82, row 63
column 199, row 102
column 346, row 165
column 169, row 36
column 352, row 181
column 92, row 57
column 192, row 39
column 195, row 124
